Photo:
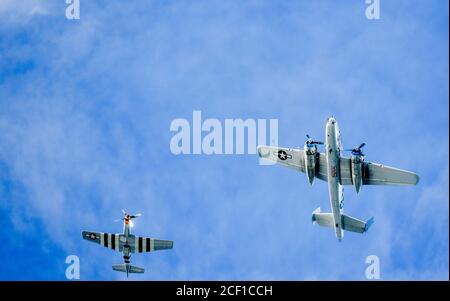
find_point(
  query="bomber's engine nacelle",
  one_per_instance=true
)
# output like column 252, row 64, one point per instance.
column 310, row 161
column 357, row 170
column 357, row 166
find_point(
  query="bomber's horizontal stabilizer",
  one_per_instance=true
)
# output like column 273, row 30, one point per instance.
column 348, row 223
column 355, row 225
column 323, row 219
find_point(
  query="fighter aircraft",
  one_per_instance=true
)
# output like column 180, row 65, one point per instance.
column 338, row 171
column 127, row 243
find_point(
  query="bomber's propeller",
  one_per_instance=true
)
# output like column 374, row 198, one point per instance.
column 357, row 150
column 310, row 141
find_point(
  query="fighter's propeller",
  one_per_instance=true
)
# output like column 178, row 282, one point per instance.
column 128, row 216
column 357, row 150
column 312, row 142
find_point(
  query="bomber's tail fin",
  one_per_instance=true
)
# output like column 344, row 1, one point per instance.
column 127, row 268
column 348, row 223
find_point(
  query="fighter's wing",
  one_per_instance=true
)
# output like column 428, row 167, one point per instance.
column 109, row 240
column 377, row 174
column 146, row 244
column 292, row 158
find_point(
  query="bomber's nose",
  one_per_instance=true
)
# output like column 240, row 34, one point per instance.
column 331, row 120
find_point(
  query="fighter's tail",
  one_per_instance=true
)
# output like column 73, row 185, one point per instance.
column 127, row 268
column 348, row 223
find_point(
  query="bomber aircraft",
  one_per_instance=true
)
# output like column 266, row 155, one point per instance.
column 127, row 243
column 338, row 171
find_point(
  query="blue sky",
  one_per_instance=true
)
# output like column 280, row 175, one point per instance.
column 85, row 110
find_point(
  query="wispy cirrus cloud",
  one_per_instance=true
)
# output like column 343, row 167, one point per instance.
column 22, row 11
column 85, row 109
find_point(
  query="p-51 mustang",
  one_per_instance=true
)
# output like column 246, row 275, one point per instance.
column 127, row 243
column 337, row 171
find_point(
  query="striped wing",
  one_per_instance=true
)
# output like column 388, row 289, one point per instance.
column 146, row 244
column 108, row 240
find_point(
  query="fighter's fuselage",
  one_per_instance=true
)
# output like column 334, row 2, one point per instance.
column 126, row 226
column 126, row 248
column 333, row 149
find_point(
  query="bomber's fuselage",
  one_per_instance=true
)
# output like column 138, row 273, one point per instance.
column 333, row 149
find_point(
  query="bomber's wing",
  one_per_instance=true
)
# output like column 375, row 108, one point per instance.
column 292, row 158
column 377, row 174
column 108, row 240
column 147, row 244
column 345, row 171
column 321, row 168
column 289, row 157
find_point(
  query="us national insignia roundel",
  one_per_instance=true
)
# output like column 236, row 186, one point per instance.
column 282, row 155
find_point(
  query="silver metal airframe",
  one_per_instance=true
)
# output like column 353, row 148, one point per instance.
column 331, row 166
column 127, row 243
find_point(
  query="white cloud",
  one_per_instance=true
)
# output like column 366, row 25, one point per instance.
column 22, row 10
column 87, row 134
